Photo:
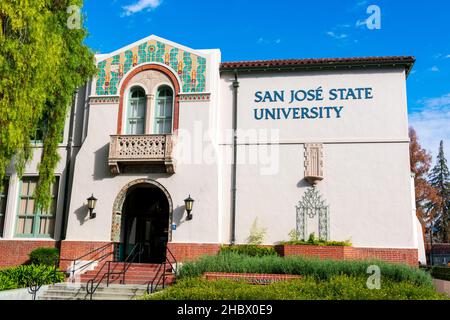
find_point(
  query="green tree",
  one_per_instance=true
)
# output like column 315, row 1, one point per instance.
column 440, row 180
column 42, row 62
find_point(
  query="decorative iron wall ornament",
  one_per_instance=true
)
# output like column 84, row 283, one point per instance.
column 313, row 162
column 310, row 206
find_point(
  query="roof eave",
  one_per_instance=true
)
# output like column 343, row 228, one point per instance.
column 407, row 65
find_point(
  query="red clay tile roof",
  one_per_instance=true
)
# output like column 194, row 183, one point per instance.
column 321, row 63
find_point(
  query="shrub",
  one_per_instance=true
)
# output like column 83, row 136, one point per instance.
column 342, row 287
column 249, row 250
column 441, row 272
column 22, row 276
column 45, row 256
column 312, row 241
column 256, row 234
column 319, row 269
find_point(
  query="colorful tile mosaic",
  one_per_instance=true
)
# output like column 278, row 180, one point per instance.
column 190, row 68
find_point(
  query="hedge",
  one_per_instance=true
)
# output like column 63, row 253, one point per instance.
column 249, row 250
column 21, row 276
column 46, row 256
column 319, row 269
column 342, row 287
column 441, row 272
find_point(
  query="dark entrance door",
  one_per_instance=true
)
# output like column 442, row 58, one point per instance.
column 145, row 222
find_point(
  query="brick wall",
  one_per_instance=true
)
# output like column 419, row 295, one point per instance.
column 74, row 249
column 407, row 256
column 15, row 252
column 254, row 278
column 191, row 251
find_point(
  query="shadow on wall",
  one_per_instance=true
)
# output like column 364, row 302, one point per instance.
column 178, row 214
column 303, row 184
column 101, row 169
column 81, row 213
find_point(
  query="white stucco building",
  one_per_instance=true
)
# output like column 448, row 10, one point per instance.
column 157, row 125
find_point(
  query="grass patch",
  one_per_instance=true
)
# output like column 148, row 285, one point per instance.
column 316, row 268
column 337, row 287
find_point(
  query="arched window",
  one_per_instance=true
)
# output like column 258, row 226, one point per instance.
column 163, row 110
column 136, row 112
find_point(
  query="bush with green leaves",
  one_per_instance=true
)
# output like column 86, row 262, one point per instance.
column 257, row 234
column 249, row 250
column 22, row 276
column 45, row 256
column 319, row 269
column 294, row 239
column 441, row 272
column 337, row 287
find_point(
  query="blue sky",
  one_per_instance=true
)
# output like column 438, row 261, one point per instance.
column 249, row 30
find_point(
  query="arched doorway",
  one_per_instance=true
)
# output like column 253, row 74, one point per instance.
column 142, row 216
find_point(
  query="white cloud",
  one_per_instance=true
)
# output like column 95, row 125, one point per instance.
column 448, row 56
column 139, row 6
column 432, row 124
column 361, row 23
column 434, row 69
column 336, row 35
column 262, row 40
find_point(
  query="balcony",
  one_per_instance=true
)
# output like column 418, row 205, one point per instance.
column 147, row 153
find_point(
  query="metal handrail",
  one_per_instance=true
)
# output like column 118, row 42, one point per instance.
column 35, row 284
column 90, row 289
column 101, row 258
column 151, row 286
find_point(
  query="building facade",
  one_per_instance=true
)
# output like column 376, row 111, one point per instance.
column 290, row 146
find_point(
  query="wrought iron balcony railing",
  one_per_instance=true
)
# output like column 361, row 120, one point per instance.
column 147, row 152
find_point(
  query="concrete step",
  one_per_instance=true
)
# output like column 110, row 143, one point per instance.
column 78, row 292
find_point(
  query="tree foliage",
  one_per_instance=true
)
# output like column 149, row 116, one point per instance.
column 420, row 161
column 42, row 62
column 440, row 179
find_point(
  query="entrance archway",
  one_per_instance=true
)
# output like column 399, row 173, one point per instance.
column 142, row 214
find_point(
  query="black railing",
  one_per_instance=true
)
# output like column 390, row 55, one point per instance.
column 96, row 255
column 92, row 285
column 161, row 272
column 35, row 284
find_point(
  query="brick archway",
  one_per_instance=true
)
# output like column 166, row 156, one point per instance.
column 157, row 67
column 120, row 200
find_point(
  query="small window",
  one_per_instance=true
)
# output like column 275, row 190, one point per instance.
column 163, row 110
column 136, row 112
column 3, row 199
column 32, row 222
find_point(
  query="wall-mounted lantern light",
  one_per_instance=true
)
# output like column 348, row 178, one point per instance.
column 92, row 201
column 189, row 203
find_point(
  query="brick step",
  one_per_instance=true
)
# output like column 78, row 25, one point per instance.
column 129, row 279
column 136, row 281
column 126, row 278
column 127, row 274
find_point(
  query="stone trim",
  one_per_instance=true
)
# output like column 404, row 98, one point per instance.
column 103, row 100
column 195, row 97
column 120, row 200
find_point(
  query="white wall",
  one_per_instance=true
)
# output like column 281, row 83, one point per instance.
column 366, row 158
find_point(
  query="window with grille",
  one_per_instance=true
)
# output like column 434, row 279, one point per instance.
column 3, row 199
column 31, row 221
column 163, row 110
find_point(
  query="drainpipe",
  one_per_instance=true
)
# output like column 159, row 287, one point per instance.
column 234, row 168
column 68, row 175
